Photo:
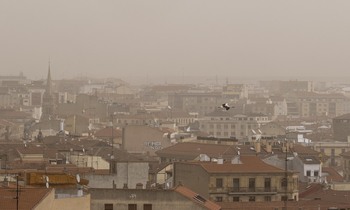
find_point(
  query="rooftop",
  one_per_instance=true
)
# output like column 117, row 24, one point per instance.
column 28, row 198
column 249, row 164
column 197, row 198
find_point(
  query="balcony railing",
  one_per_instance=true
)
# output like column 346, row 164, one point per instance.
column 249, row 190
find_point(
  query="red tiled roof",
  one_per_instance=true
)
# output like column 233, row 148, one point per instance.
column 30, row 150
column 333, row 175
column 249, row 164
column 192, row 196
column 300, row 149
column 107, row 132
column 28, row 198
column 193, row 150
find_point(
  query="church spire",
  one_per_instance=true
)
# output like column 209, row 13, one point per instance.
column 48, row 80
column 48, row 104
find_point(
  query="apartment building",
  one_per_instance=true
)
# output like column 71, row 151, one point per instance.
column 235, row 91
column 223, row 125
column 331, row 150
column 202, row 103
column 341, row 128
column 346, row 165
column 244, row 179
column 287, row 86
column 310, row 104
column 179, row 198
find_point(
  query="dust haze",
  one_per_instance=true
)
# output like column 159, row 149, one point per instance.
column 162, row 40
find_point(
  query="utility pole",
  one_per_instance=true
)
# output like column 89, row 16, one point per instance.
column 286, row 178
column 17, row 195
column 112, row 144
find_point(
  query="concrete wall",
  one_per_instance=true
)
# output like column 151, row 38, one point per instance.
column 129, row 173
column 95, row 162
column 143, row 139
column 340, row 186
column 73, row 203
column 193, row 177
column 341, row 129
column 46, row 202
column 159, row 199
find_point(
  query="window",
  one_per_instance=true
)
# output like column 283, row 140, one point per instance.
column 267, row 184
column 267, row 198
column 315, row 173
column 251, row 184
column 219, row 182
column 108, row 206
column 235, row 184
column 308, row 173
column 235, row 199
column 132, row 206
column 284, row 198
column 147, row 206
column 218, row 199
column 284, row 182
column 251, row 198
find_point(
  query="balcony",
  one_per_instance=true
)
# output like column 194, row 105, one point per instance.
column 250, row 191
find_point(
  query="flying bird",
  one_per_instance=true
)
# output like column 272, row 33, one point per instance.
column 225, row 106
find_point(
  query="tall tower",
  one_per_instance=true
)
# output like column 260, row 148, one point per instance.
column 48, row 104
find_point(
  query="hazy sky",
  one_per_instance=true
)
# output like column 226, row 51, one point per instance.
column 148, row 38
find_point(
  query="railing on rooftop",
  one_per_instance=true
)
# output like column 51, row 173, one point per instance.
column 246, row 190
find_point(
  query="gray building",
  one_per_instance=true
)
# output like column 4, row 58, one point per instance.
column 341, row 127
column 125, row 174
column 179, row 198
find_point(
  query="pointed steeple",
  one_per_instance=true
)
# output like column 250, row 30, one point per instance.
column 48, row 104
column 48, row 80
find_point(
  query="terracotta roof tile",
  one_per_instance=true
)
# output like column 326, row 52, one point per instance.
column 191, row 150
column 333, row 175
column 249, row 164
column 197, row 198
column 107, row 133
column 29, row 198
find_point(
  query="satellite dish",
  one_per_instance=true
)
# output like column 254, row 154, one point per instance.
column 78, row 178
column 47, row 181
